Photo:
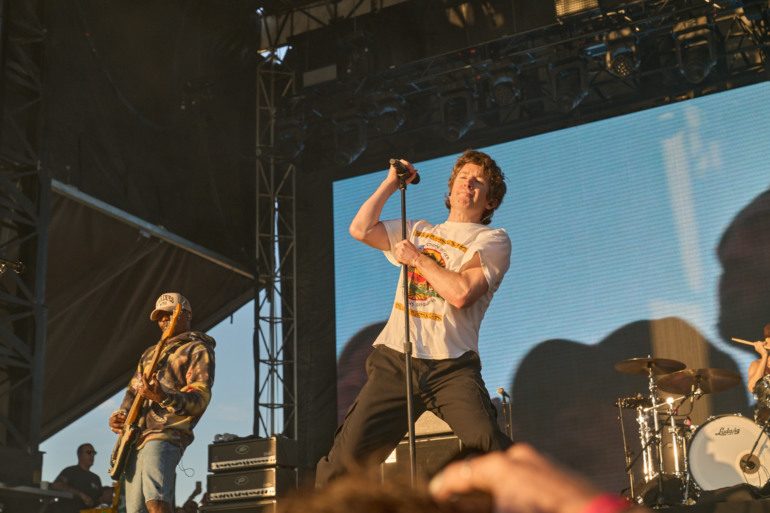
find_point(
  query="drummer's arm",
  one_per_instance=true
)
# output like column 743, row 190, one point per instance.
column 757, row 370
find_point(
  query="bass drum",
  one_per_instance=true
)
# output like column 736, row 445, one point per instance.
column 720, row 453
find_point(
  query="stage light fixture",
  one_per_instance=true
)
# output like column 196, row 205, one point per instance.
column 506, row 89
column 573, row 7
column 387, row 114
column 615, row 6
column 569, row 83
column 620, row 59
column 458, row 114
column 349, row 139
column 696, row 50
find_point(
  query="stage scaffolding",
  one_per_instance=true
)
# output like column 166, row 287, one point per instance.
column 275, row 332
column 275, row 335
column 25, row 202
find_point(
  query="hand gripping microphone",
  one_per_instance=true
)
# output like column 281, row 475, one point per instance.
column 403, row 171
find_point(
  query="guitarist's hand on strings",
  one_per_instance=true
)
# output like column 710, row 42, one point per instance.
column 152, row 390
column 117, row 420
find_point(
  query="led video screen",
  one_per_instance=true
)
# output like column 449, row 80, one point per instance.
column 636, row 236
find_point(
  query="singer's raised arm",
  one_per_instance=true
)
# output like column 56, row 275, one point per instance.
column 366, row 226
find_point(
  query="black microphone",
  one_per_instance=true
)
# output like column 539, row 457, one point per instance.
column 403, row 171
column 502, row 392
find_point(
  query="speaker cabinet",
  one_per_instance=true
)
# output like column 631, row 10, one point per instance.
column 260, row 506
column 432, row 453
column 251, row 484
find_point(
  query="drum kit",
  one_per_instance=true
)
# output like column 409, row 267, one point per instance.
column 676, row 461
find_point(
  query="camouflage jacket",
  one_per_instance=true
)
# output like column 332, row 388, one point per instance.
column 186, row 374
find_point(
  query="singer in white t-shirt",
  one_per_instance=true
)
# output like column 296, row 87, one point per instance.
column 454, row 269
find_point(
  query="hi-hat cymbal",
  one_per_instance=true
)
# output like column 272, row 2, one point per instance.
column 643, row 366
column 708, row 380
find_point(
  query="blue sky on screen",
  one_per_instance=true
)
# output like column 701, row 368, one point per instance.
column 610, row 222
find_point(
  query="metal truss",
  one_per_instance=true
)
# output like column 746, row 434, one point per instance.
column 25, row 189
column 275, row 336
column 559, row 76
column 287, row 18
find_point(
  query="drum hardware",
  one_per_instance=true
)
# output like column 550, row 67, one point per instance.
column 631, row 403
column 665, row 479
column 627, row 454
column 669, row 424
column 664, row 460
column 750, row 463
column 676, row 464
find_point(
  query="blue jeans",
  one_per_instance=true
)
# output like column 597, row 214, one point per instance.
column 151, row 475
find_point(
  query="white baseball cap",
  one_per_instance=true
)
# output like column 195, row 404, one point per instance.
column 167, row 302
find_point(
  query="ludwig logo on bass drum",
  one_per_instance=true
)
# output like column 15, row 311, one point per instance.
column 728, row 431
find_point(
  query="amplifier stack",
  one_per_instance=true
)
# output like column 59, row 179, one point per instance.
column 250, row 474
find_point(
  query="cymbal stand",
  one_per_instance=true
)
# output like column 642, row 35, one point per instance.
column 656, row 430
column 629, row 459
column 682, row 473
column 647, row 440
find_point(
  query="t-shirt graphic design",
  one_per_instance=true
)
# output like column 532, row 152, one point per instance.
column 438, row 329
column 419, row 288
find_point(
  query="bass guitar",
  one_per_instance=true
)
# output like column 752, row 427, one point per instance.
column 131, row 429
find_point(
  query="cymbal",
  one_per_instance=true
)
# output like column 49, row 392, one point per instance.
column 643, row 366
column 633, row 402
column 708, row 380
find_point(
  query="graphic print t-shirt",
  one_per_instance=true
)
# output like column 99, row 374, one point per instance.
column 437, row 329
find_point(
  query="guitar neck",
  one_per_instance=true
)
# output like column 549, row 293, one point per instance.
column 138, row 403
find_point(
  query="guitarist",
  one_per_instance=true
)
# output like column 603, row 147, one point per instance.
column 176, row 397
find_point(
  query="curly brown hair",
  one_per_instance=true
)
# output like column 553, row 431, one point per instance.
column 493, row 174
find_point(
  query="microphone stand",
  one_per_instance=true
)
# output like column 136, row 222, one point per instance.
column 402, row 177
column 507, row 412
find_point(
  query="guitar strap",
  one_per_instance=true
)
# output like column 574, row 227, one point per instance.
column 170, row 348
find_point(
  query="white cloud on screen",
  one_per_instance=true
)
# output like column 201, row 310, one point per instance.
column 677, row 166
column 705, row 155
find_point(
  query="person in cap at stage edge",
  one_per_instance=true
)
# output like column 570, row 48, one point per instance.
column 454, row 269
column 178, row 394
column 84, row 485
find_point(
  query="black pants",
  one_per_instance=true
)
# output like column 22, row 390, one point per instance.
column 377, row 421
